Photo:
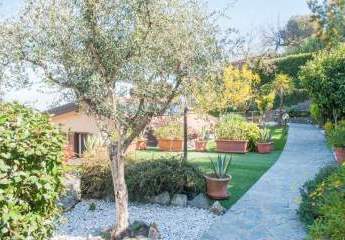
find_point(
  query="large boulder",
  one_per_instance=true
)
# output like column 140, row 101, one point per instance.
column 163, row 199
column 200, row 201
column 179, row 200
column 72, row 194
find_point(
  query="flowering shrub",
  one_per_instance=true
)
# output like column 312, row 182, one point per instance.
column 31, row 153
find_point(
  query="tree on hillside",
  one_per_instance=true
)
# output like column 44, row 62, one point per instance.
column 329, row 16
column 234, row 89
column 282, row 85
column 125, row 61
column 292, row 35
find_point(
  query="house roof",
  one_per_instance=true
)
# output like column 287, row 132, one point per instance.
column 69, row 107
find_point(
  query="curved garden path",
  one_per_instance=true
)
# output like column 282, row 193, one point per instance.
column 268, row 210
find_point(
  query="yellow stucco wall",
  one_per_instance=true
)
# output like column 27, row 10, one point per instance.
column 76, row 122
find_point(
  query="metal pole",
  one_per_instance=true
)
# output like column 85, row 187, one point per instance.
column 185, row 134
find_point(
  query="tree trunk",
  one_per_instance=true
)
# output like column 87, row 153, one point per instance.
column 185, row 135
column 281, row 108
column 120, row 191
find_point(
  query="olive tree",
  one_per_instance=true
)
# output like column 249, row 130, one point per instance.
column 125, row 61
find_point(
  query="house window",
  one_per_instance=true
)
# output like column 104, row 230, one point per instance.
column 79, row 143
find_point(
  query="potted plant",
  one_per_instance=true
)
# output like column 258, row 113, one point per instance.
column 337, row 139
column 201, row 141
column 217, row 182
column 170, row 137
column 231, row 135
column 265, row 144
column 141, row 143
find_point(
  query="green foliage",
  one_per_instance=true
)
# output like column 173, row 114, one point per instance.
column 309, row 45
column 265, row 135
column 315, row 113
column 329, row 127
column 31, row 153
column 308, row 210
column 221, row 166
column 92, row 206
column 327, row 205
column 235, row 127
column 337, row 136
column 149, row 178
column 170, row 131
column 324, row 78
column 144, row 179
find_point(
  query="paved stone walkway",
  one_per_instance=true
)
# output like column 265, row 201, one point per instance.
column 268, row 210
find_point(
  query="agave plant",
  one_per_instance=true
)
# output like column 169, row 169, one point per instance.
column 221, row 166
column 265, row 135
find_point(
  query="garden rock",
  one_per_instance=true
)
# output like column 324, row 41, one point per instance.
column 217, row 208
column 179, row 200
column 200, row 201
column 72, row 194
column 163, row 198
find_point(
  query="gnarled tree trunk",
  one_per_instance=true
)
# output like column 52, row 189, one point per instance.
column 120, row 190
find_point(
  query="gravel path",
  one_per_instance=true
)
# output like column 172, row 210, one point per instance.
column 174, row 223
column 268, row 210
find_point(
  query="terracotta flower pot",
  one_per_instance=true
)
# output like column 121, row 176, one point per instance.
column 264, row 147
column 339, row 154
column 200, row 145
column 232, row 146
column 170, row 145
column 141, row 145
column 217, row 188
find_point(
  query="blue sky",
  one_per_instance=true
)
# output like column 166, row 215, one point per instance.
column 247, row 16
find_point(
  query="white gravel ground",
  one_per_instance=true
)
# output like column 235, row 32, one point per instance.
column 174, row 223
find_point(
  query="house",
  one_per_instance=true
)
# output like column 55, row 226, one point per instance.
column 78, row 126
column 75, row 124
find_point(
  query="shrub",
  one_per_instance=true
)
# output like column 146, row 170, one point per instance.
column 31, row 153
column 149, row 178
column 328, row 128
column 330, row 205
column 337, row 137
column 170, row 131
column 145, row 179
column 235, row 127
column 308, row 211
column 315, row 113
column 324, row 78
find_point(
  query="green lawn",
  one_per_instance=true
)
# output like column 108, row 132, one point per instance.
column 246, row 169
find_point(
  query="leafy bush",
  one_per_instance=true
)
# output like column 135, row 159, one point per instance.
column 170, row 131
column 149, row 178
column 144, row 179
column 315, row 113
column 324, row 78
column 235, row 127
column 308, row 210
column 328, row 128
column 337, row 136
column 31, row 153
column 329, row 204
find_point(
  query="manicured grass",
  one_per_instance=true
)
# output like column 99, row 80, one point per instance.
column 246, row 169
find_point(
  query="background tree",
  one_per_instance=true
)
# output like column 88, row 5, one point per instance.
column 265, row 100
column 282, row 85
column 235, row 89
column 329, row 15
column 324, row 79
column 124, row 61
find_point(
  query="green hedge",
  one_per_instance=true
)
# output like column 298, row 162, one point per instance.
column 144, row 179
column 31, row 153
column 323, row 204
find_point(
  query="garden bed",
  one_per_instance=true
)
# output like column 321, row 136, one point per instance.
column 81, row 222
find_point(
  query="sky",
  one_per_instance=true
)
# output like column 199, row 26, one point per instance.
column 247, row 16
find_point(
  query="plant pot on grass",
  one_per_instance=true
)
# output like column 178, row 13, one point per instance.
column 337, row 139
column 200, row 145
column 141, row 144
column 234, row 133
column 218, row 181
column 170, row 137
column 265, row 144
